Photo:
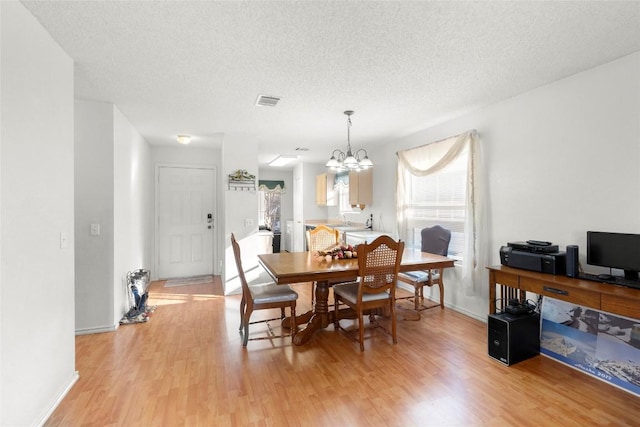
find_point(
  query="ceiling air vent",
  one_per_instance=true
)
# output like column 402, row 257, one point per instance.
column 267, row 101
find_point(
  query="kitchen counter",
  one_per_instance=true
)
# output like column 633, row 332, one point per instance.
column 336, row 224
column 364, row 236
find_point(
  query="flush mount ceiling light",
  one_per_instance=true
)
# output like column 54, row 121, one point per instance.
column 184, row 139
column 282, row 160
column 341, row 161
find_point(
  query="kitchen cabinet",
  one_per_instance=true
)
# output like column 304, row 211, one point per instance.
column 361, row 188
column 325, row 194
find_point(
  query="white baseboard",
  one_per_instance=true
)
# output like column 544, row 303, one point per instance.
column 63, row 392
column 99, row 330
column 467, row 313
column 409, row 288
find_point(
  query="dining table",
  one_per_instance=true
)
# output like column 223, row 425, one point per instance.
column 298, row 267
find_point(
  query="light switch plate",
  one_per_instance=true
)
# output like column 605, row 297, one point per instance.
column 95, row 229
column 64, row 240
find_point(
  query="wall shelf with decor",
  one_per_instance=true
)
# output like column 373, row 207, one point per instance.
column 241, row 180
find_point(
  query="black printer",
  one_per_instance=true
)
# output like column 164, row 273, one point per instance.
column 534, row 255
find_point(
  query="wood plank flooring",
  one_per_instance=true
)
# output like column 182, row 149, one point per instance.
column 187, row 367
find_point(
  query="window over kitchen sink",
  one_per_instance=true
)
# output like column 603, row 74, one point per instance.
column 342, row 189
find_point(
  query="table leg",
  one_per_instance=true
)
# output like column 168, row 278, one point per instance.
column 492, row 292
column 320, row 318
column 301, row 319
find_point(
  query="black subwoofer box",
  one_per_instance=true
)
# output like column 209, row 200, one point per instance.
column 513, row 338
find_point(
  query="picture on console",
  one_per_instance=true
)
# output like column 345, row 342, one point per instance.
column 604, row 345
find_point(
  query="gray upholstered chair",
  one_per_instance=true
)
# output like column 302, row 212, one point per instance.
column 378, row 265
column 263, row 296
column 435, row 240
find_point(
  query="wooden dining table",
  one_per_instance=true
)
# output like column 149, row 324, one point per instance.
column 296, row 267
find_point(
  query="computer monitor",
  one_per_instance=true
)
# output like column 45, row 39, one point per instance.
column 615, row 250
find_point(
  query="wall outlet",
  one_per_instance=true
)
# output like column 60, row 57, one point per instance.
column 248, row 222
column 95, row 229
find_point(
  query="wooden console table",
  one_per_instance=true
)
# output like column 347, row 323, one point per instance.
column 507, row 282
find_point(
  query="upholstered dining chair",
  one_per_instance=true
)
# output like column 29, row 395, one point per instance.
column 319, row 239
column 263, row 296
column 435, row 240
column 378, row 264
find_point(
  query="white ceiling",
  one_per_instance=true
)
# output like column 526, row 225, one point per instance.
column 197, row 67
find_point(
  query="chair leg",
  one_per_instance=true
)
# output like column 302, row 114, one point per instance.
column 361, row 329
column 245, row 336
column 336, row 313
column 293, row 324
column 392, row 307
column 441, row 286
column 243, row 304
column 313, row 293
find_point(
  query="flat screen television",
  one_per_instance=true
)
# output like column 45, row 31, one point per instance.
column 615, row 250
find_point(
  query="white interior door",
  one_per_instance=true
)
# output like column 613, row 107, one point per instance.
column 185, row 221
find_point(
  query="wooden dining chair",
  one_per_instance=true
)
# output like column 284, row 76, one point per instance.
column 263, row 296
column 435, row 240
column 378, row 264
column 319, row 239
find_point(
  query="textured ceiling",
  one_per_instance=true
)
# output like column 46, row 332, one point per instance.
column 197, row 67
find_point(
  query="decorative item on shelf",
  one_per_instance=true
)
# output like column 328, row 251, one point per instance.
column 349, row 160
column 242, row 180
column 339, row 252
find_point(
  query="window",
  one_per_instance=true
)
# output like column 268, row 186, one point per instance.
column 342, row 190
column 269, row 197
column 269, row 214
column 438, row 198
column 440, row 183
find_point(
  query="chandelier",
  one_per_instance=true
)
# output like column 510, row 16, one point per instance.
column 341, row 161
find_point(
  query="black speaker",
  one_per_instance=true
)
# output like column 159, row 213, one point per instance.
column 572, row 261
column 513, row 338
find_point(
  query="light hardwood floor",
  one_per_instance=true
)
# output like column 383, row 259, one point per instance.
column 187, row 367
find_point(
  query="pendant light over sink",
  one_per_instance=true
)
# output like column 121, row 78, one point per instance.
column 341, row 161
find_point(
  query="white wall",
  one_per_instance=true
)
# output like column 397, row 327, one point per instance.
column 132, row 208
column 94, row 195
column 114, row 189
column 560, row 160
column 239, row 206
column 37, row 347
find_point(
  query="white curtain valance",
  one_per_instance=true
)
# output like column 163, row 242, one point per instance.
column 433, row 157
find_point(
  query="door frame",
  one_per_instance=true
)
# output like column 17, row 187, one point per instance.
column 214, row 205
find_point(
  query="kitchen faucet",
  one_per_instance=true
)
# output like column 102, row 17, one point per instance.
column 369, row 223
